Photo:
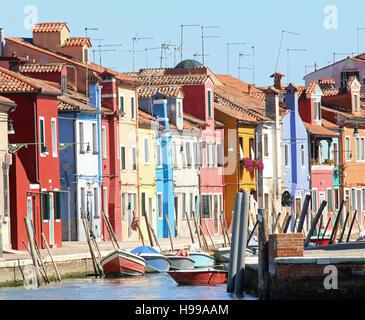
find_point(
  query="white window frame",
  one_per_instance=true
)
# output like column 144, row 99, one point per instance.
column 286, row 155
column 329, row 189
column 158, row 159
column 119, row 106
column 105, row 201
column 134, row 157
column 160, row 209
column 302, row 155
column 316, row 204
column 54, row 137
column 42, row 154
column 336, row 205
column 266, row 145
column 133, row 107
column 121, row 158
column 94, row 129
column 348, row 152
column 81, row 128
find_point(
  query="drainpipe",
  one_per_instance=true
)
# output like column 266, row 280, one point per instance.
column 36, row 163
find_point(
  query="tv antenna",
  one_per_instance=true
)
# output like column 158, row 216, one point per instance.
column 107, row 45
column 182, row 36
column 287, row 56
column 240, row 55
column 135, row 40
column 96, row 50
column 232, row 44
column 306, row 68
column 203, row 37
column 146, row 51
column 281, row 42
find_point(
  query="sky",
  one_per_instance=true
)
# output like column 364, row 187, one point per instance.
column 314, row 31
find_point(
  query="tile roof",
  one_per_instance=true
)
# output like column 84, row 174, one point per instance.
column 195, row 121
column 323, row 81
column 6, row 101
column 78, row 42
column 41, row 68
column 12, row 82
column 50, row 27
column 146, row 119
column 317, row 130
column 91, row 66
column 168, row 91
column 238, row 84
column 328, row 124
column 235, row 113
column 311, row 87
column 342, row 111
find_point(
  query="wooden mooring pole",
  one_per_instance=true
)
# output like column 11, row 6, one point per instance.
column 344, row 226
column 352, row 223
column 303, row 213
column 168, row 228
column 263, row 261
column 188, row 222
column 318, row 215
column 337, row 223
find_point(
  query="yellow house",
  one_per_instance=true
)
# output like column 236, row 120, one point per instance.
column 147, row 172
column 239, row 143
column 128, row 156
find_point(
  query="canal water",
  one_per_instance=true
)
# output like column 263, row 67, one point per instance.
column 159, row 286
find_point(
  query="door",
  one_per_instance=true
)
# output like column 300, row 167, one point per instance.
column 51, row 218
column 129, row 215
column 348, row 204
column 176, row 213
column 150, row 209
column 322, row 197
column 359, row 204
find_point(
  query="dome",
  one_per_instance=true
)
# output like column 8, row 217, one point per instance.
column 189, row 63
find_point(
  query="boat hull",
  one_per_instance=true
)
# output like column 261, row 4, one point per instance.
column 180, row 263
column 202, row 260
column 222, row 254
column 123, row 263
column 156, row 262
column 199, row 277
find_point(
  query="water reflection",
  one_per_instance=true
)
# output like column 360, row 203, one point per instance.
column 150, row 287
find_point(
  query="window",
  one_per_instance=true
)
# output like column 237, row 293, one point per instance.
column 337, row 198
column 348, row 149
column 133, row 110
column 179, row 108
column 42, row 135
column 302, row 154
column 329, row 200
column 335, row 153
column 356, row 103
column 191, row 204
column 158, row 156
column 121, row 105
column 266, row 145
column 353, row 198
column 188, row 154
column 357, row 149
column 64, row 83
column 363, row 199
column 183, row 204
column 122, row 158
column 82, row 137
column 314, row 201
column 346, row 75
column 160, row 205
column 143, row 204
column 362, row 149
column 219, row 155
column 134, row 159
column 86, row 55
column 316, row 111
column 57, row 205
column 105, row 200
column 95, row 138
column 103, row 137
column 146, row 151
column 286, row 155
column 96, row 202
column 54, row 137
column 209, row 103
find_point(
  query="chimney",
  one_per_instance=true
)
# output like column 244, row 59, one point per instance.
column 292, row 97
column 278, row 80
column 272, row 103
column 1, row 42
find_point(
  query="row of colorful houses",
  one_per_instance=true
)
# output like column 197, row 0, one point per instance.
column 163, row 145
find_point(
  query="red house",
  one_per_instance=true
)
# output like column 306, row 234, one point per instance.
column 34, row 174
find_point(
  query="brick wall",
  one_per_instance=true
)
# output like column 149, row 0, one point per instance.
column 285, row 245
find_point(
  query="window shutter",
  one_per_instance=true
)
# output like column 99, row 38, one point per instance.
column 45, row 206
column 58, row 205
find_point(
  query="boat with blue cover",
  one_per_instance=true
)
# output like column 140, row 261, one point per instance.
column 156, row 262
column 202, row 259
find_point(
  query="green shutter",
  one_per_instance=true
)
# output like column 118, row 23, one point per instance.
column 41, row 130
column 122, row 157
column 315, row 116
column 209, row 104
column 143, row 203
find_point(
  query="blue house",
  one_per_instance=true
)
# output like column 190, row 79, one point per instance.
column 295, row 152
column 80, row 163
column 164, row 169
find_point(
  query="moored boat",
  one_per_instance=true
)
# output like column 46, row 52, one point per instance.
column 202, row 259
column 222, row 254
column 156, row 262
column 179, row 262
column 123, row 263
column 208, row 276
